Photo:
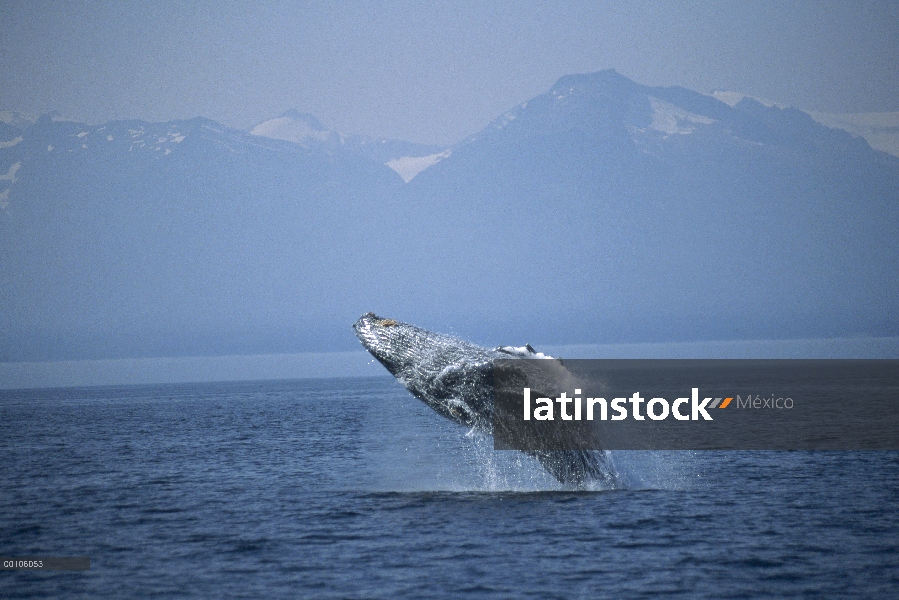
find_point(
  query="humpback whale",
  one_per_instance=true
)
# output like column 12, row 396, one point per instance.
column 455, row 378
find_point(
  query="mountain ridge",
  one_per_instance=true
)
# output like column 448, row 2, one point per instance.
column 600, row 211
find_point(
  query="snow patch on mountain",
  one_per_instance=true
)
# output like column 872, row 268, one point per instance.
column 410, row 166
column 505, row 119
column 734, row 98
column 561, row 95
column 11, row 178
column 11, row 143
column 17, row 119
column 673, row 120
column 406, row 158
column 158, row 141
column 11, row 174
column 293, row 126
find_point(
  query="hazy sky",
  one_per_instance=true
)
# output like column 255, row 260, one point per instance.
column 429, row 72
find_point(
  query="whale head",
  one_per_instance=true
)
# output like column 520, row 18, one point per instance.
column 403, row 348
column 388, row 341
column 452, row 376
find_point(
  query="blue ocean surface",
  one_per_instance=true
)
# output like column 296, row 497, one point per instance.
column 352, row 488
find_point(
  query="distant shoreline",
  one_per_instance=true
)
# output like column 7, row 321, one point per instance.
column 202, row 369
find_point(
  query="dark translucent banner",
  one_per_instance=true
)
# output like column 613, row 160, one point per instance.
column 696, row 404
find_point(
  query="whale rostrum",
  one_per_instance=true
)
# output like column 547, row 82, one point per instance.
column 455, row 378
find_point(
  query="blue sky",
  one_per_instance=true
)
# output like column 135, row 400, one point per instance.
column 428, row 72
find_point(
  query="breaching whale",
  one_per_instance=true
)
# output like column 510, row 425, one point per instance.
column 455, row 378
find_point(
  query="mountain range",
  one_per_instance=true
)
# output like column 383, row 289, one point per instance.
column 600, row 211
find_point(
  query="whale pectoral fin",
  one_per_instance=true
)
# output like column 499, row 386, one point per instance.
column 518, row 351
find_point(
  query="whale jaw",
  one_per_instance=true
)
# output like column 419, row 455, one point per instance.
column 451, row 376
column 382, row 344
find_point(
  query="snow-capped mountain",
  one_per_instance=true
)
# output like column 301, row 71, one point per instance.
column 600, row 211
column 608, row 103
column 299, row 128
column 133, row 238
column 662, row 213
column 406, row 158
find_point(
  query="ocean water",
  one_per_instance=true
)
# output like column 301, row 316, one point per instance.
column 352, row 488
